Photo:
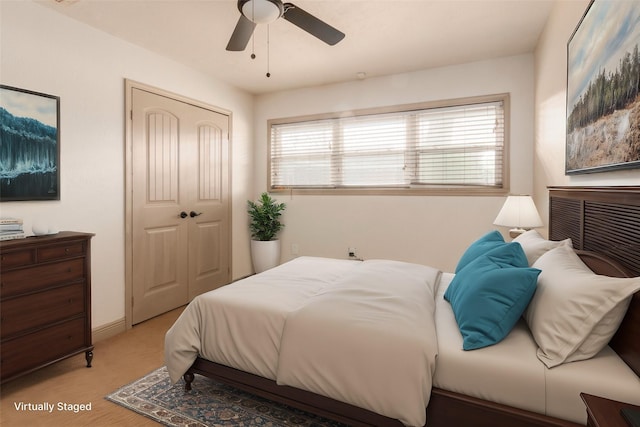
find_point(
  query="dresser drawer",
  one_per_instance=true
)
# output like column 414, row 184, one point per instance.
column 50, row 253
column 21, row 281
column 30, row 311
column 17, row 258
column 31, row 351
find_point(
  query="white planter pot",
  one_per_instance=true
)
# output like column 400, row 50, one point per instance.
column 265, row 254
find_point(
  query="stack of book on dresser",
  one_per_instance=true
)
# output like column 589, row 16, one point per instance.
column 11, row 228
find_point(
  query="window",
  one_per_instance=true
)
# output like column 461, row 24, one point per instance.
column 453, row 146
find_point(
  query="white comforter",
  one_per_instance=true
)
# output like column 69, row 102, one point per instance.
column 358, row 332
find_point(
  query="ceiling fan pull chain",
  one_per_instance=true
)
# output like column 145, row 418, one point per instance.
column 253, row 37
column 268, row 50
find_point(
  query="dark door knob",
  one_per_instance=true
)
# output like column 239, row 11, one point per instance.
column 183, row 214
column 194, row 214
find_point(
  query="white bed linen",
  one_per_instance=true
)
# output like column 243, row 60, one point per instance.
column 369, row 342
column 240, row 325
column 510, row 372
column 496, row 373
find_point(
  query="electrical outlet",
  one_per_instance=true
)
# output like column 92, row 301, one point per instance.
column 294, row 249
column 352, row 253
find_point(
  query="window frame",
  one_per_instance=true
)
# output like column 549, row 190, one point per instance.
column 418, row 190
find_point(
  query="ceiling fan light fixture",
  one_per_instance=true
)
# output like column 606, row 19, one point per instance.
column 262, row 11
column 254, row 12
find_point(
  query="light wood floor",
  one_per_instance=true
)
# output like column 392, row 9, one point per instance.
column 117, row 361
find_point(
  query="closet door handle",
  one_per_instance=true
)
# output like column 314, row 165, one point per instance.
column 194, row 214
column 183, row 214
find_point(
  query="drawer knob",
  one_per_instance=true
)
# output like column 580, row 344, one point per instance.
column 66, row 250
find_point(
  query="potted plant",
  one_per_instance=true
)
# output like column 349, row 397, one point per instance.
column 264, row 226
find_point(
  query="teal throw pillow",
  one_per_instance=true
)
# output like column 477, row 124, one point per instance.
column 484, row 244
column 489, row 295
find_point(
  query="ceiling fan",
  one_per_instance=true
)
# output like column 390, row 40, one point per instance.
column 255, row 12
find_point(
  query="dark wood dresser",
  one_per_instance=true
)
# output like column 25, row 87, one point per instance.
column 45, row 301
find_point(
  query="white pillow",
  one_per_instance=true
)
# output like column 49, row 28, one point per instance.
column 534, row 245
column 575, row 312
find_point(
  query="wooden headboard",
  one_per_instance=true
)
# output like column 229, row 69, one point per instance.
column 604, row 224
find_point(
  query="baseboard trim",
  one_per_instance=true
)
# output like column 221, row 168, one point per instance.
column 108, row 330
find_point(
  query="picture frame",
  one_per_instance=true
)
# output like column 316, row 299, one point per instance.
column 30, row 145
column 603, row 89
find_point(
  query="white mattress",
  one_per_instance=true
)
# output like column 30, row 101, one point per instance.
column 510, row 373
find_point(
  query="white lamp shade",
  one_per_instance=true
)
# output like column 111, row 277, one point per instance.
column 519, row 212
column 261, row 11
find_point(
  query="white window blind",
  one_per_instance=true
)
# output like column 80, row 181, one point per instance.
column 460, row 145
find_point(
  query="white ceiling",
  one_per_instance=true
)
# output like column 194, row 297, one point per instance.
column 382, row 37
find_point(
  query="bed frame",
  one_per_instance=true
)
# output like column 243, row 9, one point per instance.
column 604, row 225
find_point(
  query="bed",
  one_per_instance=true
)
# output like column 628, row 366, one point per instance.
column 457, row 387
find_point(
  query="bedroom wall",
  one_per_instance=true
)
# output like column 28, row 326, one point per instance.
column 424, row 229
column 44, row 51
column 550, row 109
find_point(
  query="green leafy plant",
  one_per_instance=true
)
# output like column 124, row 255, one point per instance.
column 265, row 217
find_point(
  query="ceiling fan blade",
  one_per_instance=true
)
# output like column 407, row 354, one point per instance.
column 241, row 34
column 311, row 24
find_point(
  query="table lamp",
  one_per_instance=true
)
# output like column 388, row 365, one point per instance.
column 520, row 213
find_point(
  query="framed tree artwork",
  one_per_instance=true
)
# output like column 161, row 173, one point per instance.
column 29, row 145
column 603, row 87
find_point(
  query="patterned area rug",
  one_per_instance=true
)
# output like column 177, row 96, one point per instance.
column 208, row 404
